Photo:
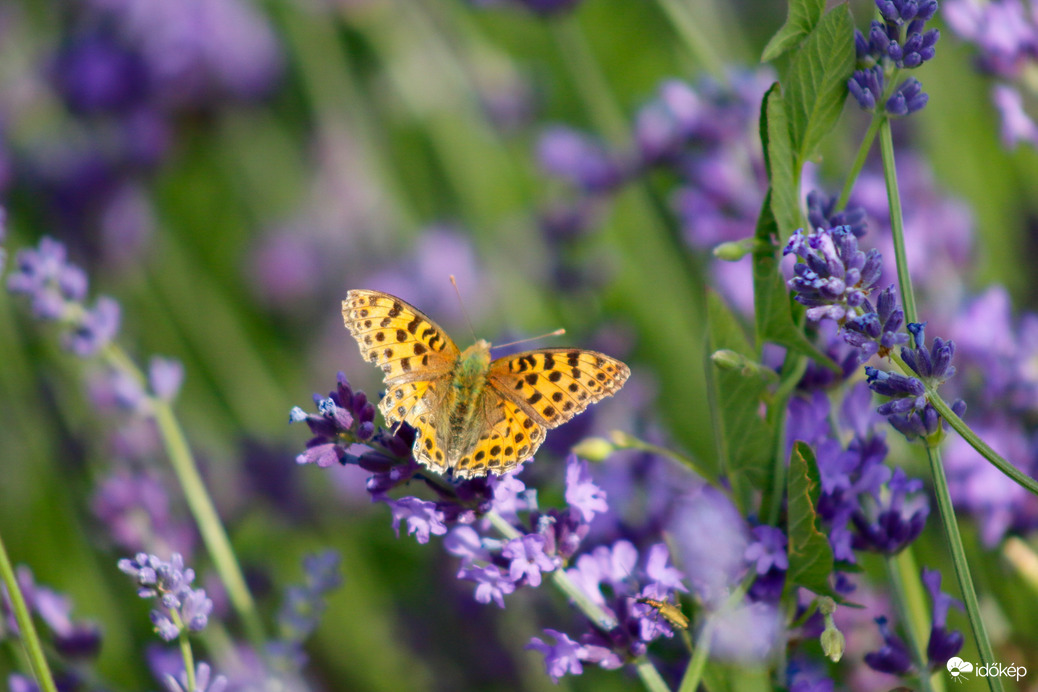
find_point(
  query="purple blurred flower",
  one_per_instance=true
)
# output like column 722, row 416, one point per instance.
column 893, row 657
column 73, row 639
column 710, row 541
column 1005, row 32
column 135, row 507
column 95, row 74
column 579, row 159
column 202, row 681
column 198, row 51
column 768, row 549
column 746, row 633
column 943, row 644
column 165, row 375
column 566, row 656
column 492, row 583
column 581, row 492
column 898, row 520
column 47, row 278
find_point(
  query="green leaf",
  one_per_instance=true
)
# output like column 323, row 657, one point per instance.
column 771, row 302
column 810, row 556
column 817, row 81
column 745, row 436
column 779, row 162
column 801, row 18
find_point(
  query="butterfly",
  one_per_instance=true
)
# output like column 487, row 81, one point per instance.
column 472, row 415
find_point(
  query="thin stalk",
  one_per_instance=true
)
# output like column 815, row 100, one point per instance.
column 648, row 674
column 796, row 365
column 687, row 28
column 859, row 160
column 198, row 501
column 26, row 629
column 897, row 223
column 962, row 568
column 209, row 525
column 185, row 650
column 960, row 426
column 904, row 612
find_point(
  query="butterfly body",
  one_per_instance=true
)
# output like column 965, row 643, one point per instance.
column 472, row 415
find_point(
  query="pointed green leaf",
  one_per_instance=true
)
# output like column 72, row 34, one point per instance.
column 817, row 81
column 780, row 164
column 801, row 18
column 810, row 556
column 745, row 435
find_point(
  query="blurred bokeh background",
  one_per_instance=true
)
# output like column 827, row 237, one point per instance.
column 228, row 169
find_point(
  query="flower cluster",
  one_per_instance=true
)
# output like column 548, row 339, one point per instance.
column 181, row 607
column 835, row 277
column 895, row 43
column 909, row 411
column 628, row 593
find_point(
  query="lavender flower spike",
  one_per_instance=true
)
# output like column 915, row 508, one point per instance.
column 202, row 681
column 181, row 606
column 835, row 277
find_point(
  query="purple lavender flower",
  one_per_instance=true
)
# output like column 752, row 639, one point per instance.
column 897, row 522
column 181, row 606
column 897, row 42
column 302, row 608
column 877, row 331
column 835, row 277
column 527, row 559
column 907, row 98
column 908, row 410
column 423, row 518
column 1005, row 32
column 566, row 656
column 943, row 643
column 165, row 375
column 95, row 74
column 345, row 418
column 50, row 281
column 893, row 657
column 202, row 681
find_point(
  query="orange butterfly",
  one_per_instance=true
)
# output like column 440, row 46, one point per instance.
column 473, row 416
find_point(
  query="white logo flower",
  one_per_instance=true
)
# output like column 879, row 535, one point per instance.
column 957, row 667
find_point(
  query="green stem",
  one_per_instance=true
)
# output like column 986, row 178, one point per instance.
column 26, row 629
column 904, row 607
column 650, row 677
column 962, row 568
column 209, row 525
column 185, row 650
column 795, row 365
column 897, row 224
column 859, row 160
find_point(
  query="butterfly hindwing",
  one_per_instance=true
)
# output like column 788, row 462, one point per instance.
column 398, row 337
column 553, row 385
column 511, row 439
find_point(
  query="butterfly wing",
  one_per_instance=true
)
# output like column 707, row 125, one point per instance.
column 540, row 390
column 398, row 337
column 415, row 355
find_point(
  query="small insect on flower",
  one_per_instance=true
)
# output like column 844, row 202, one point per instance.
column 671, row 612
column 472, row 416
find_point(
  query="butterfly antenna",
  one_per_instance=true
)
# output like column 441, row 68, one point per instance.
column 557, row 332
column 461, row 302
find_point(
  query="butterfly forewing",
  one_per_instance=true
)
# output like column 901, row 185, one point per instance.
column 398, row 337
column 553, row 385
